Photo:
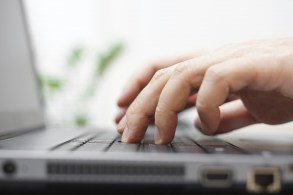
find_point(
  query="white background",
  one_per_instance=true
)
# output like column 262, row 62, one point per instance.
column 149, row 29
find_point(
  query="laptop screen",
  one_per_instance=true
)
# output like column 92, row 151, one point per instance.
column 20, row 102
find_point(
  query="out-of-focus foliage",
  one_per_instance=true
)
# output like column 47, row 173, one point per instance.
column 105, row 59
column 75, row 56
column 81, row 120
column 103, row 62
column 52, row 85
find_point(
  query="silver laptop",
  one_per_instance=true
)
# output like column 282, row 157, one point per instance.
column 30, row 153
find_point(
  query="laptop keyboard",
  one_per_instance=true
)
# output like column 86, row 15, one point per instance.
column 108, row 142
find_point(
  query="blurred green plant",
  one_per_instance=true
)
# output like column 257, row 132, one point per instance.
column 104, row 60
column 52, row 85
column 81, row 120
column 75, row 56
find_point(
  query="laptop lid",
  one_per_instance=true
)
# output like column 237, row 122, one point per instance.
column 20, row 100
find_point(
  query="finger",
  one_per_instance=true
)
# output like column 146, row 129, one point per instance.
column 139, row 80
column 135, row 84
column 120, row 114
column 121, row 125
column 269, row 107
column 219, row 81
column 192, row 99
column 232, row 97
column 166, row 115
column 176, row 95
column 142, row 109
column 177, row 90
column 234, row 115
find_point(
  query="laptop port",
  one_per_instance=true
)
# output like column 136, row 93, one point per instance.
column 264, row 180
column 216, row 177
column 9, row 168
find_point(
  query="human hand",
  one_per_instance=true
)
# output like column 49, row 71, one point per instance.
column 140, row 79
column 259, row 72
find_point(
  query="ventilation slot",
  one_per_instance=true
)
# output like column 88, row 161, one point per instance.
column 113, row 169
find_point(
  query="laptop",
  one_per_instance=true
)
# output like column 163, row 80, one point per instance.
column 32, row 154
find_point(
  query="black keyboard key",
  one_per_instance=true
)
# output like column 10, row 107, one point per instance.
column 69, row 146
column 93, row 147
column 99, row 143
column 119, row 146
column 222, row 150
column 148, row 145
column 84, row 138
column 212, row 142
column 155, row 148
column 185, row 145
column 106, row 137
column 183, row 141
column 188, row 148
column 74, row 143
column 216, row 146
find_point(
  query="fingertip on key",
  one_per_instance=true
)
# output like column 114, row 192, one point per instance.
column 157, row 136
column 125, row 135
column 121, row 125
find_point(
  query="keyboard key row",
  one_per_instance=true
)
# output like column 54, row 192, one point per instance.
column 112, row 143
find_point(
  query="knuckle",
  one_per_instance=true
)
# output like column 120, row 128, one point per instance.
column 133, row 109
column 179, row 69
column 160, row 110
column 201, row 106
column 159, row 74
column 154, row 67
column 215, row 74
column 235, row 50
column 231, row 47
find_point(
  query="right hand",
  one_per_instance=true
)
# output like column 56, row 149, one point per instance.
column 140, row 79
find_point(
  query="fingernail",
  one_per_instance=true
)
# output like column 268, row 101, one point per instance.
column 197, row 123
column 125, row 134
column 203, row 126
column 157, row 136
column 121, row 125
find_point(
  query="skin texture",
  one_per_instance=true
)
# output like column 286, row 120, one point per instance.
column 232, row 87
